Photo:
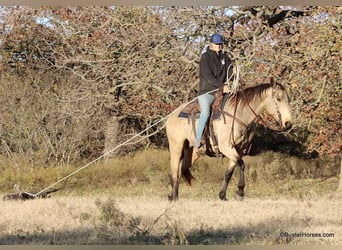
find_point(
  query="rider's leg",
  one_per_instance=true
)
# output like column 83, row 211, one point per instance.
column 205, row 102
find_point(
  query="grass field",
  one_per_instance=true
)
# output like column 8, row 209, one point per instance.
column 124, row 201
column 153, row 220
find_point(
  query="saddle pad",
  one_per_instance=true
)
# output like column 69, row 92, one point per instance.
column 191, row 108
column 183, row 114
column 194, row 108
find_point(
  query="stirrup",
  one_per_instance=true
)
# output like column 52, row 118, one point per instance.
column 201, row 150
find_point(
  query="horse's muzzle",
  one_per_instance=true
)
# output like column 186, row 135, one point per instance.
column 288, row 125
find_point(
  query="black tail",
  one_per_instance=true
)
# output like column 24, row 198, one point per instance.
column 186, row 162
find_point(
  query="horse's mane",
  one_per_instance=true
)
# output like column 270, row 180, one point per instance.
column 247, row 95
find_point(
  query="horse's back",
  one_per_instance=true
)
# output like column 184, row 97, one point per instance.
column 174, row 118
column 178, row 128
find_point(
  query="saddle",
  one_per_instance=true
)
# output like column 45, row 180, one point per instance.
column 192, row 112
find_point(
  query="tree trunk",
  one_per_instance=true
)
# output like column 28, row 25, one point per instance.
column 340, row 182
column 111, row 136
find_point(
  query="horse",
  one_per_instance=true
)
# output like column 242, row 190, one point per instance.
column 232, row 133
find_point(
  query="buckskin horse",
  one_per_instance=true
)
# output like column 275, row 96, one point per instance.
column 233, row 132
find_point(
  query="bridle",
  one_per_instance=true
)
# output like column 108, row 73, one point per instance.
column 258, row 116
column 275, row 105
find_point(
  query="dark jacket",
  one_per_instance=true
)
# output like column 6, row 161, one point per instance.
column 213, row 71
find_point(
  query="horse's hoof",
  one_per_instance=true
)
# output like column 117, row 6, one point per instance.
column 171, row 198
column 238, row 196
column 222, row 196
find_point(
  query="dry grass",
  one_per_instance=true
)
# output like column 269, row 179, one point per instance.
column 123, row 201
column 154, row 220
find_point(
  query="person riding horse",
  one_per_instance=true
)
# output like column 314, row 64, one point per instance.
column 234, row 132
column 215, row 66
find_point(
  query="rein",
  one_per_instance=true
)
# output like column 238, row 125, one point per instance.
column 232, row 131
column 257, row 116
column 253, row 111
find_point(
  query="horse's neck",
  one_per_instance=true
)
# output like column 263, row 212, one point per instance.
column 251, row 110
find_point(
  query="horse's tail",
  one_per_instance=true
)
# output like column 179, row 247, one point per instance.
column 187, row 176
column 186, row 162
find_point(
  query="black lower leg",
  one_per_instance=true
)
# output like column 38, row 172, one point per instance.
column 241, row 184
column 173, row 196
column 226, row 179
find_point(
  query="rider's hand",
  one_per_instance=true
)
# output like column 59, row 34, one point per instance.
column 225, row 89
column 234, row 70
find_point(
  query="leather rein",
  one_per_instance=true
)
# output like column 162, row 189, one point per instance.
column 253, row 111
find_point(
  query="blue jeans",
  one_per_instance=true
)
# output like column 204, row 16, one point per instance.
column 205, row 102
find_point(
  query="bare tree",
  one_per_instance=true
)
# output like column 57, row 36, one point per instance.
column 66, row 72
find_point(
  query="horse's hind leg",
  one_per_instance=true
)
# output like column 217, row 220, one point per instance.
column 175, row 158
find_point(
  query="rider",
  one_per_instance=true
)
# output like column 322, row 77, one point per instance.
column 214, row 66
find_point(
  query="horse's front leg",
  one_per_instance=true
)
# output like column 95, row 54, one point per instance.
column 226, row 179
column 239, row 194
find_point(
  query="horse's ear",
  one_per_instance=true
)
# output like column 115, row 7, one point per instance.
column 272, row 82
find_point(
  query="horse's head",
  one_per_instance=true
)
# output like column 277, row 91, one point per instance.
column 278, row 104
